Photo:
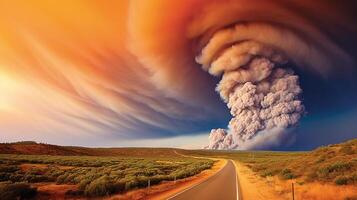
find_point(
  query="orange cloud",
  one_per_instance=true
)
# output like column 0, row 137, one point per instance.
column 127, row 68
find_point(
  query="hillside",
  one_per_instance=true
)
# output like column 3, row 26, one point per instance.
column 33, row 148
column 336, row 163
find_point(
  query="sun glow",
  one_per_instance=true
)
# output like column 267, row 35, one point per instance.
column 8, row 88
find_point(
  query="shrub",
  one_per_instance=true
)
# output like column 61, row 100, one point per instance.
column 331, row 171
column 8, row 168
column 4, row 176
column 101, row 175
column 131, row 184
column 266, row 173
column 63, row 178
column 100, row 187
column 158, row 178
column 83, row 184
column 354, row 177
column 119, row 186
column 70, row 179
column 341, row 166
column 10, row 191
column 287, row 174
column 341, row 180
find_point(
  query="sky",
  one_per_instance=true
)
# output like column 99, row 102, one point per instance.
column 124, row 73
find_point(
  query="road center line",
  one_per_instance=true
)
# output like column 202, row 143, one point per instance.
column 237, row 183
column 197, row 184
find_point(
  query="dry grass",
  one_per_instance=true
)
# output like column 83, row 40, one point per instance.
column 257, row 187
column 328, row 172
column 317, row 191
column 334, row 164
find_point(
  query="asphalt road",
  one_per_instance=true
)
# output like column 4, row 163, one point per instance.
column 222, row 185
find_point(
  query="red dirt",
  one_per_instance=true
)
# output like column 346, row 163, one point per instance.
column 27, row 166
column 53, row 191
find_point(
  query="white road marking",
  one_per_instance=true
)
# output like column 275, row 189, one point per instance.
column 237, row 183
column 197, row 184
column 235, row 170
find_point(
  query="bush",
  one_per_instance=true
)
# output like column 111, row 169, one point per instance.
column 61, row 179
column 101, row 175
column 287, row 174
column 339, row 166
column 131, row 184
column 10, row 191
column 16, row 177
column 266, row 173
column 37, row 178
column 100, row 187
column 341, row 180
column 8, row 168
column 4, row 176
column 332, row 170
column 83, row 184
column 119, row 186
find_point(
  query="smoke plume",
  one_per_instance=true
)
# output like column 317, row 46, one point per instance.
column 262, row 94
column 253, row 46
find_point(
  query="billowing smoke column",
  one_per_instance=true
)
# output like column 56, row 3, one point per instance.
column 262, row 93
column 253, row 46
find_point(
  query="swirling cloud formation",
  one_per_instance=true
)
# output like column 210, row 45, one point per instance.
column 143, row 69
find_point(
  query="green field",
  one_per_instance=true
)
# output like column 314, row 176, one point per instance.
column 335, row 164
column 96, row 176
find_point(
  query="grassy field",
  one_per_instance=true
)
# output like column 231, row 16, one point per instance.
column 105, row 171
column 335, row 164
column 95, row 176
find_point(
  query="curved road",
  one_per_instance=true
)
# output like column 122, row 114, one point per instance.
column 222, row 185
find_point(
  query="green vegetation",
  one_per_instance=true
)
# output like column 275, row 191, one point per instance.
column 104, row 171
column 98, row 176
column 334, row 163
column 10, row 191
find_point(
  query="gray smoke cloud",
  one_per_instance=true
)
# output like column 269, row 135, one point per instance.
column 262, row 93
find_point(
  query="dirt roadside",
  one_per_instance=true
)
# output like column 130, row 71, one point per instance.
column 256, row 187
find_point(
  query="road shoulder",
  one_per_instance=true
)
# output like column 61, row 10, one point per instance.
column 249, row 183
